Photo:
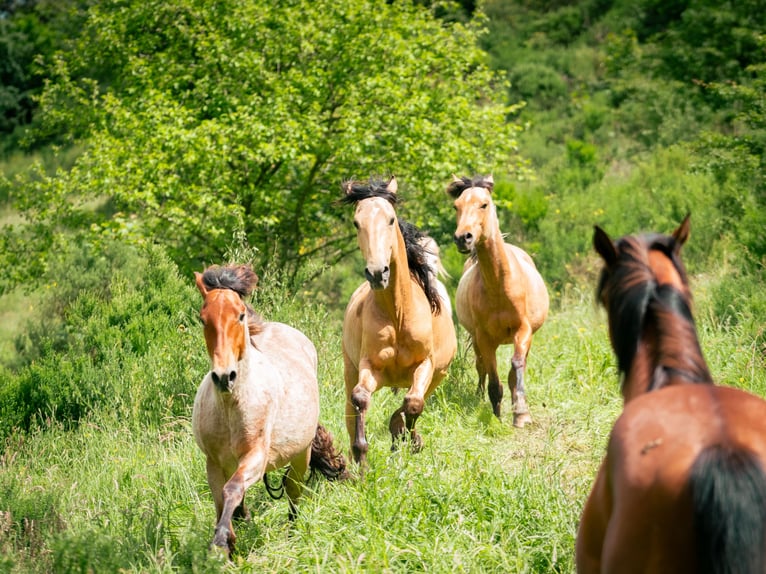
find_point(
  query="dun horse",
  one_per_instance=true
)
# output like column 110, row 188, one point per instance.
column 257, row 409
column 501, row 297
column 682, row 488
column 397, row 329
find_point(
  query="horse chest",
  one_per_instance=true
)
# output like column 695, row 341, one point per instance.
column 398, row 350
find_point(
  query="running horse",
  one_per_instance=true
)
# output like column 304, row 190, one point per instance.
column 682, row 487
column 257, row 409
column 501, row 297
column 397, row 328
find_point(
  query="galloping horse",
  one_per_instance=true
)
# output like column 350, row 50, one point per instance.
column 257, row 409
column 682, row 487
column 501, row 297
column 397, row 329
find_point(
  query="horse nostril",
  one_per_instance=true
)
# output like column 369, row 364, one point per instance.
column 385, row 270
column 468, row 237
column 232, row 376
column 216, row 378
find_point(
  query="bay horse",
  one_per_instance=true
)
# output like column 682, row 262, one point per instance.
column 682, row 487
column 501, row 297
column 397, row 328
column 257, row 409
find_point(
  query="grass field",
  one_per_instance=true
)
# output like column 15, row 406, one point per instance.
column 482, row 496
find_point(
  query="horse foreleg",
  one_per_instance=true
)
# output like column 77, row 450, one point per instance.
column 357, row 403
column 250, row 470
column 294, row 480
column 521, row 345
column 415, row 400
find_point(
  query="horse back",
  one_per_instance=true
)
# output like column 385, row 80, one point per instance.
column 653, row 456
column 537, row 299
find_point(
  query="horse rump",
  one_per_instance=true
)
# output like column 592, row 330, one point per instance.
column 728, row 489
column 325, row 458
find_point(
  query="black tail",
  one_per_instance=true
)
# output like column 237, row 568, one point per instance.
column 729, row 498
column 325, row 459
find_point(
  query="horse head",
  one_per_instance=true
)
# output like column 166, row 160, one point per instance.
column 475, row 211
column 645, row 290
column 226, row 319
column 376, row 226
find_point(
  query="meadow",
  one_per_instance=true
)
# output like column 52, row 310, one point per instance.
column 123, row 488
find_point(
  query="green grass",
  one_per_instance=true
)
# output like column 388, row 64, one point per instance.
column 482, row 496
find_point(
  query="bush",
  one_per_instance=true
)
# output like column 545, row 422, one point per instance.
column 118, row 336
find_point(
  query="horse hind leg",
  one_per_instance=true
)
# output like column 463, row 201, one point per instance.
column 480, row 369
column 401, row 426
column 521, row 414
column 293, row 481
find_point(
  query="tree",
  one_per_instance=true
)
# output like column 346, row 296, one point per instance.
column 237, row 121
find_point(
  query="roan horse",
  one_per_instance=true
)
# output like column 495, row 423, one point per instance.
column 501, row 297
column 257, row 409
column 682, row 487
column 397, row 329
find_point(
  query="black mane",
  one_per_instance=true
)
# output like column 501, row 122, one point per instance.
column 418, row 263
column 356, row 191
column 457, row 187
column 238, row 278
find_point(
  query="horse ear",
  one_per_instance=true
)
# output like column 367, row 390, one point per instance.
column 392, row 185
column 347, row 185
column 489, row 181
column 604, row 246
column 681, row 234
column 456, row 179
column 200, row 284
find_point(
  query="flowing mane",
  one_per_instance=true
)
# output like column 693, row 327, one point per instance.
column 460, row 184
column 637, row 304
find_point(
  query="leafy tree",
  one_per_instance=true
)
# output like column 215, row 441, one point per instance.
column 228, row 122
column 28, row 29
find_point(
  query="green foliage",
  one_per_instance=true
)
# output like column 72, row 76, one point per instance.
column 243, row 118
column 116, row 334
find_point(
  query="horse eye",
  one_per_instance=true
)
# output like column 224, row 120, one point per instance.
column 356, row 224
column 454, row 207
column 484, row 206
column 241, row 317
column 391, row 222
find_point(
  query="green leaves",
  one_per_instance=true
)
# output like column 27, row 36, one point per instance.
column 226, row 118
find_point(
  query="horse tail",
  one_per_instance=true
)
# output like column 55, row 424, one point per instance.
column 325, row 458
column 728, row 490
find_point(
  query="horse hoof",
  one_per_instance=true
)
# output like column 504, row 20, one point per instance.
column 417, row 443
column 521, row 419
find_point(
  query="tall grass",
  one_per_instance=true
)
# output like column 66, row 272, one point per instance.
column 125, row 490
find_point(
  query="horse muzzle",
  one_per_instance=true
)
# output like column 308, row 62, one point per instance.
column 224, row 382
column 464, row 242
column 378, row 279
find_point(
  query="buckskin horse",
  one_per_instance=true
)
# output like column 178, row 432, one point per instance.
column 682, row 487
column 501, row 297
column 257, row 409
column 397, row 328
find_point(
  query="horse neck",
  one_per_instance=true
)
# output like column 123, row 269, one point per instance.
column 494, row 261
column 396, row 299
column 668, row 353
